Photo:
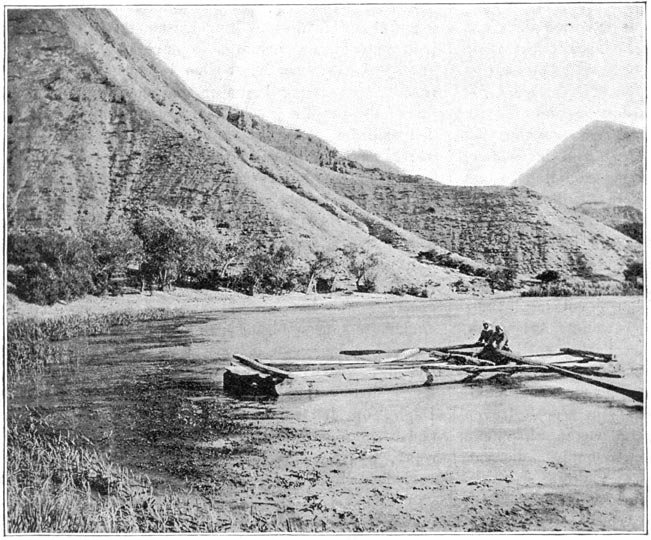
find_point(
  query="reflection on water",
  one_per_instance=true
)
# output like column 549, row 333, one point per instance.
column 151, row 394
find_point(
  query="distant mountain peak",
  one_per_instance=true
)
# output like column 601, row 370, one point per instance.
column 601, row 162
column 373, row 161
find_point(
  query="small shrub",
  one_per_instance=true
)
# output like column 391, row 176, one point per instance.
column 634, row 274
column 548, row 276
column 322, row 269
column 420, row 291
column 503, row 279
column 362, row 264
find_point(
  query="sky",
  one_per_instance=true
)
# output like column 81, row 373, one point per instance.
column 463, row 94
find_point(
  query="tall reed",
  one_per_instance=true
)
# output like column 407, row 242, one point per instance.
column 32, row 344
column 58, row 483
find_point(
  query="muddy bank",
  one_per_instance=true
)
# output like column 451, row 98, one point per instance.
column 300, row 481
column 260, row 470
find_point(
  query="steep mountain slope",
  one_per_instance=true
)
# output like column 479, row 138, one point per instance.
column 304, row 145
column 502, row 226
column 97, row 125
column 603, row 162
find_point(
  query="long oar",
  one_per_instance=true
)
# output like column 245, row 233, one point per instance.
column 363, row 352
column 633, row 394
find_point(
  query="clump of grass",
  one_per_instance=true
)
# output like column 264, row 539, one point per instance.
column 59, row 483
column 581, row 288
column 31, row 344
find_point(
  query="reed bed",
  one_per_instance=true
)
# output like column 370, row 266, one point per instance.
column 607, row 288
column 32, row 344
column 58, row 483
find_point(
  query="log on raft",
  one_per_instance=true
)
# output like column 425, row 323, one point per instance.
column 511, row 369
column 579, row 352
column 370, row 352
column 636, row 395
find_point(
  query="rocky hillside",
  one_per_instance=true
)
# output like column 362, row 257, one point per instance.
column 309, row 147
column 495, row 225
column 514, row 227
column 97, row 126
column 292, row 141
column 602, row 163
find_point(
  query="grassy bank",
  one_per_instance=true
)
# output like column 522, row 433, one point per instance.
column 58, row 483
column 32, row 344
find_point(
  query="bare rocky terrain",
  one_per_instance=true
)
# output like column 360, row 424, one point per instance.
column 98, row 126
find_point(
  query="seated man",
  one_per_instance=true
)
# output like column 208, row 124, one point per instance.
column 497, row 342
column 486, row 334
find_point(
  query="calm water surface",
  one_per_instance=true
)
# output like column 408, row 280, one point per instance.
column 135, row 383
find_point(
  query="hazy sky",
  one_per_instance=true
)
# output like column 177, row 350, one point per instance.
column 463, row 94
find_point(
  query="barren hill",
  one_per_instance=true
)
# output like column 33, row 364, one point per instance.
column 603, row 163
column 97, row 125
column 515, row 227
column 495, row 225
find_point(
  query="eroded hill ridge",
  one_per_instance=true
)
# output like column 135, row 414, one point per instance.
column 97, row 125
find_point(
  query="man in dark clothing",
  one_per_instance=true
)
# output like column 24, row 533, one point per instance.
column 497, row 342
column 486, row 334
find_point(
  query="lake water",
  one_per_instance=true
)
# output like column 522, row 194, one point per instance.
column 129, row 387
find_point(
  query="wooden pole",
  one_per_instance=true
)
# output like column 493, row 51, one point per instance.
column 362, row 352
column 633, row 394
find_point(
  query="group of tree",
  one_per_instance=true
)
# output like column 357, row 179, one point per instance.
column 632, row 229
column 160, row 248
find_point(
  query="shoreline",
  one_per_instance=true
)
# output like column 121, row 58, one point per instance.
column 185, row 301
column 256, row 468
